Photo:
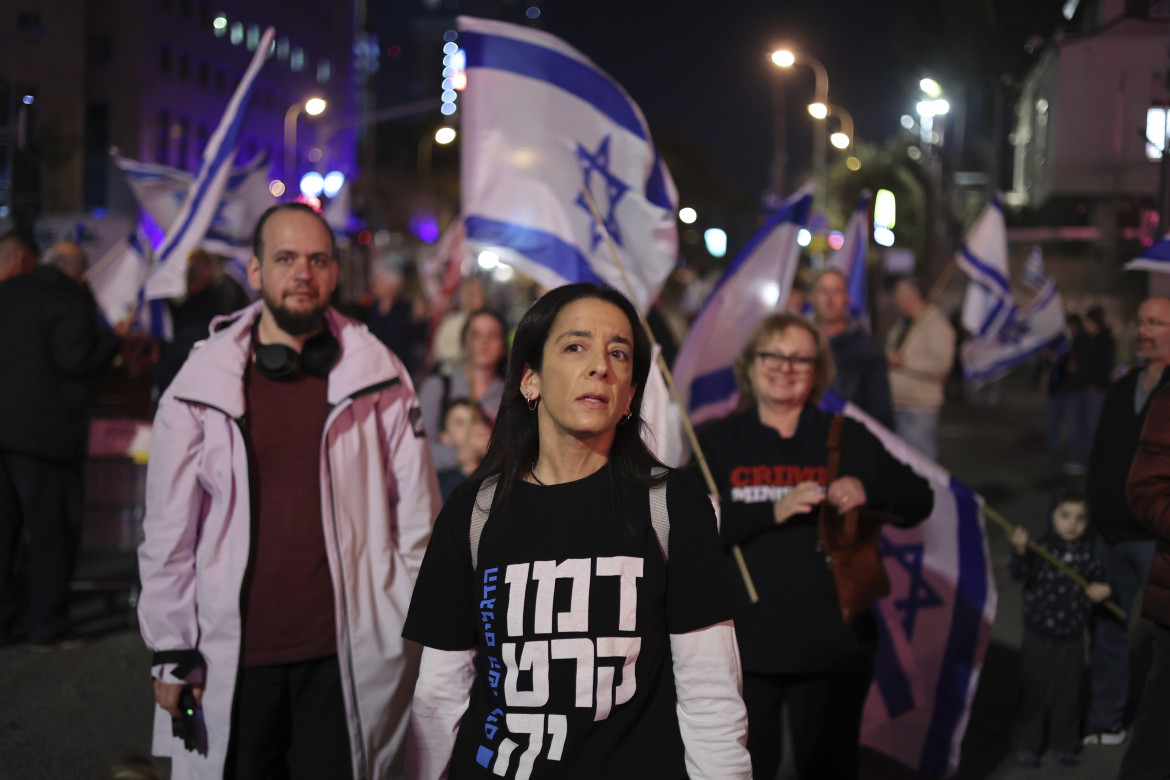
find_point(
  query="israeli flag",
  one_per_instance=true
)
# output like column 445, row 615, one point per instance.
column 542, row 124
column 1156, row 258
column 117, row 281
column 753, row 286
column 935, row 626
column 162, row 190
column 168, row 279
column 983, row 257
column 850, row 260
column 1019, row 338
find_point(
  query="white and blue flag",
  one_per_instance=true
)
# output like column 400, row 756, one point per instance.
column 984, row 258
column 935, row 626
column 117, row 281
column 542, row 123
column 168, row 277
column 850, row 260
column 1155, row 258
column 1020, row 337
column 754, row 285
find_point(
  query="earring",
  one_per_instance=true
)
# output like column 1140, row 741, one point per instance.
column 625, row 417
column 532, row 402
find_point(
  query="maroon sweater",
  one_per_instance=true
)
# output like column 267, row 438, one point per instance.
column 288, row 593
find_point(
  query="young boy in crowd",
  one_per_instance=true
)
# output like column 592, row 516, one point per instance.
column 465, row 428
column 1056, row 611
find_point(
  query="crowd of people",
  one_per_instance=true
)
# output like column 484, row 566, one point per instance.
column 493, row 575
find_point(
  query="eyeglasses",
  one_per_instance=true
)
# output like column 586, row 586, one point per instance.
column 1140, row 323
column 774, row 361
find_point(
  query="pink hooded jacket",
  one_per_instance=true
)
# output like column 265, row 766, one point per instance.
column 379, row 500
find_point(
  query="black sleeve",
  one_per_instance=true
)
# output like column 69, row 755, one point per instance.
column 737, row 522
column 442, row 610
column 699, row 591
column 78, row 349
column 890, row 485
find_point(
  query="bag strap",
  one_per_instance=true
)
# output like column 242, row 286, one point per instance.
column 832, row 466
column 659, row 516
column 479, row 515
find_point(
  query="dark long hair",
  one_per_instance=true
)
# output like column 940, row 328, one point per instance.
column 515, row 440
column 502, row 365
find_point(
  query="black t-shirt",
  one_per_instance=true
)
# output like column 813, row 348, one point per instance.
column 796, row 625
column 571, row 610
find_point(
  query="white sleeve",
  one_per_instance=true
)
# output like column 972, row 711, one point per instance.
column 708, row 685
column 441, row 697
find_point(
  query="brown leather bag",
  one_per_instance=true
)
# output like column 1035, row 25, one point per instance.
column 851, row 542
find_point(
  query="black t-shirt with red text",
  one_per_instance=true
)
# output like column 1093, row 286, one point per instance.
column 796, row 625
column 571, row 610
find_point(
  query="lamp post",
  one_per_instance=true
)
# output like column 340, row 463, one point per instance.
column 843, row 139
column 931, row 105
column 785, row 58
column 426, row 144
column 312, row 107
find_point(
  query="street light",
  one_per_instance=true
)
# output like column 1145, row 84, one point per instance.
column 312, row 107
column 785, row 58
column 842, row 139
column 443, row 136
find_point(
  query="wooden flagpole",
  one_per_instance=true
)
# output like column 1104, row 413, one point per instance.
column 736, row 552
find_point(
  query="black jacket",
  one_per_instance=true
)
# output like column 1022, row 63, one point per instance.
column 796, row 626
column 1054, row 605
column 49, row 347
column 1114, row 446
column 863, row 376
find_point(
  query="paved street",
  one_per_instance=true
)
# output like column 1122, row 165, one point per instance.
column 70, row 715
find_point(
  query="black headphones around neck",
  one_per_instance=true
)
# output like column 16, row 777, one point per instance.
column 283, row 363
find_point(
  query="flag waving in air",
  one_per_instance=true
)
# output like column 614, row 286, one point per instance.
column 850, row 260
column 542, row 124
column 753, row 286
column 1154, row 258
column 983, row 257
column 168, row 278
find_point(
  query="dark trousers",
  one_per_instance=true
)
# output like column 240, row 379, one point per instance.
column 1050, row 684
column 289, row 723
column 824, row 713
column 1127, row 566
column 1148, row 754
column 44, row 500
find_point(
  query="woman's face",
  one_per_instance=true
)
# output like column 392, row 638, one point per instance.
column 784, row 370
column 585, row 385
column 485, row 341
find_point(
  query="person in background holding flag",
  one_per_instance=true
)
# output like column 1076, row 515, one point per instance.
column 1125, row 545
column 921, row 350
column 632, row 669
column 770, row 463
column 1148, row 490
column 862, row 375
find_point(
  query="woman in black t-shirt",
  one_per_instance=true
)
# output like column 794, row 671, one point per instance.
column 565, row 636
column 770, row 463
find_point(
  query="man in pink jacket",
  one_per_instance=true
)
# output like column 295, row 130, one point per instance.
column 289, row 499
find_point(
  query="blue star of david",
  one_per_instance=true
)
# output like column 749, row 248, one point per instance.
column 615, row 189
column 920, row 595
column 1014, row 332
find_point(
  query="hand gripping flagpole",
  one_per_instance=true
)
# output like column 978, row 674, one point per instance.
column 736, row 553
column 1063, row 568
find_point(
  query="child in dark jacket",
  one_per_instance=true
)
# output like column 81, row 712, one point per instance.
column 1056, row 611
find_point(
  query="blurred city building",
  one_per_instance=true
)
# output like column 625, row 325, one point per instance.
column 152, row 78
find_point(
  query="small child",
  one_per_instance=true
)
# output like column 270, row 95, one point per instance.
column 465, row 428
column 1056, row 611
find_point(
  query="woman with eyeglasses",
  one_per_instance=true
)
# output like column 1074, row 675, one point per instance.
column 770, row 461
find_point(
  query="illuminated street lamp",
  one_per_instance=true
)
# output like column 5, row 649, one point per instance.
column 443, row 136
column 785, row 58
column 312, row 107
column 843, row 139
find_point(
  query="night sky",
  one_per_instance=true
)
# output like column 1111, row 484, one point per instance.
column 700, row 68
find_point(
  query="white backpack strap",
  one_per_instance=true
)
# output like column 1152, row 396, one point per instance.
column 479, row 515
column 659, row 516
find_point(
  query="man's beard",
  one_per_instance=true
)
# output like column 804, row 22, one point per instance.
column 294, row 323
